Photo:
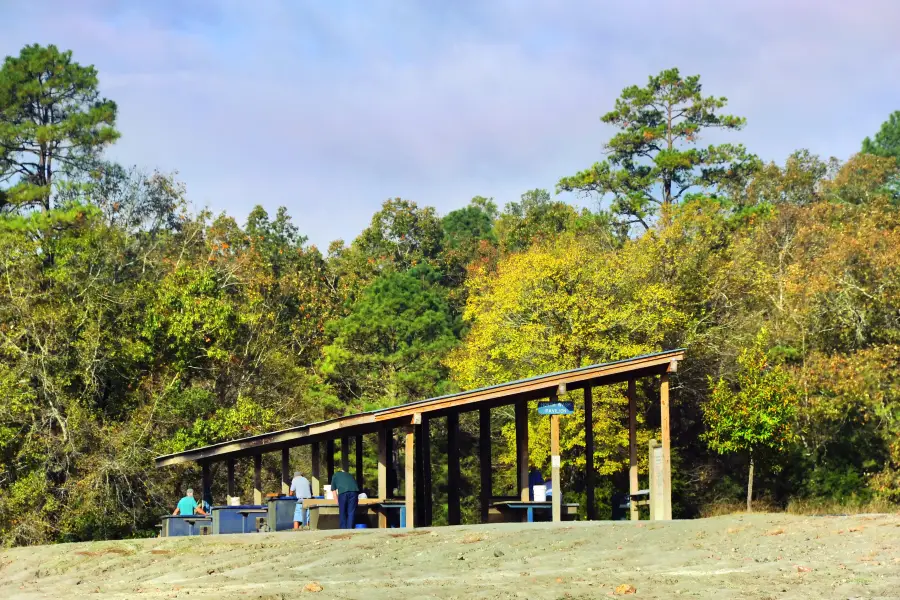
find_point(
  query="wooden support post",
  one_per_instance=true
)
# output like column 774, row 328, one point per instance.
column 257, row 479
column 484, row 452
column 666, row 446
column 453, row 491
column 329, row 461
column 589, row 481
column 382, row 474
column 410, row 482
column 554, row 468
column 230, row 481
column 657, row 486
column 632, row 449
column 315, row 467
column 419, row 475
column 285, row 471
column 426, row 495
column 345, row 454
column 522, row 448
column 206, row 482
column 360, row 476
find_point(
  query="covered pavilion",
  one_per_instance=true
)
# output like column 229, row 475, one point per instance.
column 413, row 419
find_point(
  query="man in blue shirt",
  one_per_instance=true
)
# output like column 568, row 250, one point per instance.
column 187, row 506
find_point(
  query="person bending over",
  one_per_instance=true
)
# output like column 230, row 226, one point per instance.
column 344, row 487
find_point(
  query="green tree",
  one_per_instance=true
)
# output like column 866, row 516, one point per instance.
column 469, row 237
column 887, row 140
column 52, row 120
column 753, row 413
column 388, row 349
column 535, row 218
column 652, row 160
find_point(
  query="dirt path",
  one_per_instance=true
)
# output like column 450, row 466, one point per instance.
column 750, row 556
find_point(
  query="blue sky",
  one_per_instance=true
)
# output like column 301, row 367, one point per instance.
column 331, row 107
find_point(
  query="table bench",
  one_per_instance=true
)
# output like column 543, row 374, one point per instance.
column 526, row 510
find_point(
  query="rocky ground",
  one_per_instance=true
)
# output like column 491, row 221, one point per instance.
column 742, row 556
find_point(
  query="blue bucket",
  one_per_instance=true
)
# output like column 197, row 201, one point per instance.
column 361, row 526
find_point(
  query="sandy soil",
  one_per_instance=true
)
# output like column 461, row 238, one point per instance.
column 750, row 556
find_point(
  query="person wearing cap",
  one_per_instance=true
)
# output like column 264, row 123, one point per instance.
column 187, row 506
column 302, row 490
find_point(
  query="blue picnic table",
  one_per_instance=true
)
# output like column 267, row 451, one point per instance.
column 518, row 506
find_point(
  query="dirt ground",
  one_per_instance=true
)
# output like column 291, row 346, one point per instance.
column 742, row 556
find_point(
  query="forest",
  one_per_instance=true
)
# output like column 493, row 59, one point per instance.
column 134, row 324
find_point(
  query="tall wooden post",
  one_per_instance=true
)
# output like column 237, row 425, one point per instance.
column 345, row 454
column 329, row 461
column 522, row 448
column 554, row 464
column 453, row 508
column 285, row 471
column 382, row 474
column 410, row 482
column 589, row 481
column 425, row 495
column 257, row 479
column 230, row 481
column 360, row 476
column 206, row 482
column 315, row 467
column 484, row 451
column 666, row 446
column 632, row 449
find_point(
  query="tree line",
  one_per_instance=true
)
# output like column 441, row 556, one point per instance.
column 134, row 325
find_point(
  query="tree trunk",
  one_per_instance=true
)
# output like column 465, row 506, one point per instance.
column 750, row 486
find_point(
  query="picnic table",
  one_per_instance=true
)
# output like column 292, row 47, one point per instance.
column 389, row 506
column 179, row 525
column 225, row 518
column 526, row 509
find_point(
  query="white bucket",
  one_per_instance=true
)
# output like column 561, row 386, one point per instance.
column 540, row 493
column 327, row 493
column 234, row 501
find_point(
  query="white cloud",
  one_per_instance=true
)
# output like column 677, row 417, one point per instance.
column 332, row 110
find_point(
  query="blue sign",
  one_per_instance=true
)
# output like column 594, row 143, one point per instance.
column 556, row 408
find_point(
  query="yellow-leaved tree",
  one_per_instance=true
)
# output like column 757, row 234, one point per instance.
column 559, row 306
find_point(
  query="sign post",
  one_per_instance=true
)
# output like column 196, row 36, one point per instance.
column 555, row 407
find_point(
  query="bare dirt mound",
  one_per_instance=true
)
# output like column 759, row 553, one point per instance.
column 750, row 556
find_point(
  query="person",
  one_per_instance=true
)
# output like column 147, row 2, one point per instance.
column 535, row 477
column 187, row 506
column 302, row 490
column 347, row 492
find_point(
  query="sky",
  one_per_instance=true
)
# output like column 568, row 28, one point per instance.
column 331, row 107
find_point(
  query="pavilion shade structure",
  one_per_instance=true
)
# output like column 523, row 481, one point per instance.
column 408, row 419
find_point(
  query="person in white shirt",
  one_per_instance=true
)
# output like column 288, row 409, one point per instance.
column 302, row 490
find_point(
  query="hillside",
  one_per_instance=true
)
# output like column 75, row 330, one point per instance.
column 742, row 556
